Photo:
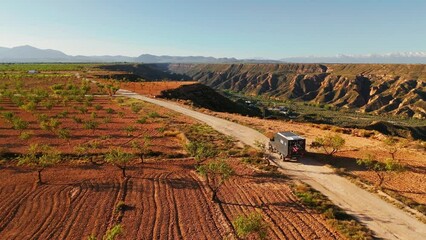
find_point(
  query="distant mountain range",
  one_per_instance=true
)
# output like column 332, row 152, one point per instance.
column 31, row 54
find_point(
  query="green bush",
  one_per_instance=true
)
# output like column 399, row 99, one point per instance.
column 142, row 120
column 136, row 107
column 110, row 111
column 153, row 115
column 251, row 224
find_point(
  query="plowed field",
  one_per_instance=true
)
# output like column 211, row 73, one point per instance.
column 164, row 200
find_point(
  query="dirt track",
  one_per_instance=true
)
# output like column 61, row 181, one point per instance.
column 386, row 220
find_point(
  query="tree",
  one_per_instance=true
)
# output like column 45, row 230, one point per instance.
column 216, row 173
column 392, row 146
column 330, row 143
column 119, row 158
column 40, row 157
column 250, row 225
column 19, row 124
column 141, row 147
column 50, row 124
column 200, row 151
column 380, row 168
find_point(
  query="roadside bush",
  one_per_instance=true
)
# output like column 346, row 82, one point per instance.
column 330, row 143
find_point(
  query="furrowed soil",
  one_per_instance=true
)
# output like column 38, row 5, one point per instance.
column 164, row 200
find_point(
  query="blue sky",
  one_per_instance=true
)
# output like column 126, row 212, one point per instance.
column 220, row 28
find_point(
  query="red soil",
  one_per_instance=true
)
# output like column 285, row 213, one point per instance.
column 165, row 200
column 113, row 132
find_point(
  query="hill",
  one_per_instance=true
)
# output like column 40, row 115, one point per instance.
column 375, row 88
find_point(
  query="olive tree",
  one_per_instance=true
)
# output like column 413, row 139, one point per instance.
column 40, row 157
column 380, row 168
column 391, row 145
column 330, row 143
column 200, row 151
column 119, row 158
column 141, row 148
column 216, row 173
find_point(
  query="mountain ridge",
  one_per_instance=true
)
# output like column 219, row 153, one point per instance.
column 27, row 53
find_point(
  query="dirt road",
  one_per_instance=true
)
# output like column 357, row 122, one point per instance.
column 386, row 220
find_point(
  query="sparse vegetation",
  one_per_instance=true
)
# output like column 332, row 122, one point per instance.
column 250, row 225
column 336, row 217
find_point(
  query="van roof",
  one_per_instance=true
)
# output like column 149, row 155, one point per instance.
column 290, row 136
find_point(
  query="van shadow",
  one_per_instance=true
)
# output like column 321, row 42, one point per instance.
column 321, row 159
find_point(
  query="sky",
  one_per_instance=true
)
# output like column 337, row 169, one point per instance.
column 270, row 29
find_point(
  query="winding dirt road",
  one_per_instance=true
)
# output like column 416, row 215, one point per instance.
column 386, row 220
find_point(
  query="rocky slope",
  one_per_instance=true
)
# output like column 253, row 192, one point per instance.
column 376, row 88
column 203, row 96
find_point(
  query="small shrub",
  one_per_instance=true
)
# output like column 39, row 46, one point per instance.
column 91, row 124
column 98, row 107
column 153, row 115
column 19, row 124
column 77, row 119
column 64, row 133
column 130, row 129
column 251, row 224
column 106, row 119
column 110, row 111
column 136, row 107
column 93, row 115
column 63, row 114
column 142, row 120
column 83, row 110
column 25, row 135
